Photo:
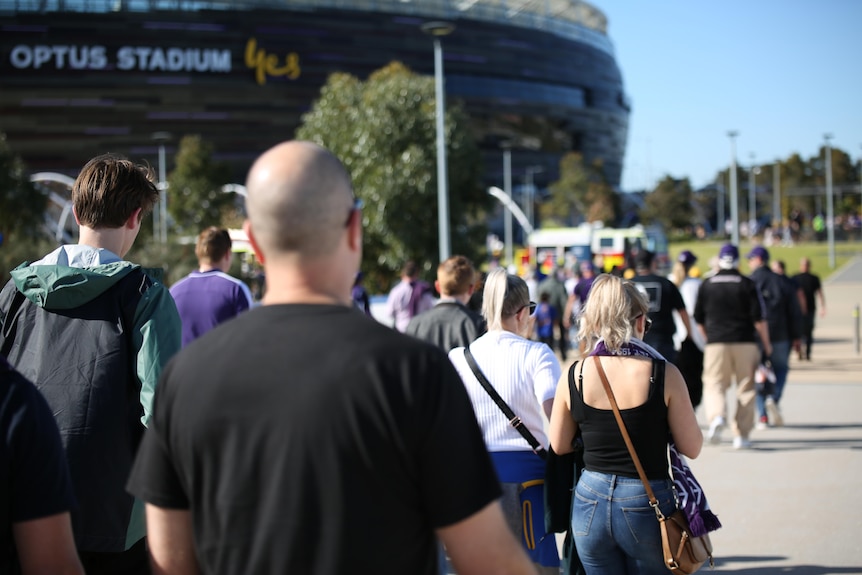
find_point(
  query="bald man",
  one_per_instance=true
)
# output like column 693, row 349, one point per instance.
column 305, row 437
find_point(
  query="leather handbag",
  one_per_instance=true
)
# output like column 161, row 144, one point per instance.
column 683, row 553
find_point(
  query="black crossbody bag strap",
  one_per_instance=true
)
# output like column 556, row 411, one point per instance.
column 514, row 420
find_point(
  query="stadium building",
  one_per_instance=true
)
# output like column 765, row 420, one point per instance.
column 82, row 77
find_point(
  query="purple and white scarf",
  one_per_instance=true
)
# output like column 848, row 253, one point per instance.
column 690, row 496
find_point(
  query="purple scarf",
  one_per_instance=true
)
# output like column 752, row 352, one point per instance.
column 690, row 496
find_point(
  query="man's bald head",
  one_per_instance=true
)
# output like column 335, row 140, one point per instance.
column 299, row 198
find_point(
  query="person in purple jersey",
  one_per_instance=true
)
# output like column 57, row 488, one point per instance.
column 209, row 296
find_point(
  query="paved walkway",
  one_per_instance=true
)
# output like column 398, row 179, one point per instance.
column 793, row 504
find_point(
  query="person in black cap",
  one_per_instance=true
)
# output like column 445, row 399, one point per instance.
column 784, row 318
column 664, row 298
column 729, row 312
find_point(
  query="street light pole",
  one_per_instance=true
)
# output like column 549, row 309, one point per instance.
column 830, row 212
column 777, row 217
column 752, row 200
column 160, row 220
column 734, row 200
column 507, row 214
column 438, row 30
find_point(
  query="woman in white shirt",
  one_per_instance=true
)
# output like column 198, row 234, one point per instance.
column 524, row 373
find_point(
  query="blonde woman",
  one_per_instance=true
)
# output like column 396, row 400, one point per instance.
column 524, row 373
column 616, row 531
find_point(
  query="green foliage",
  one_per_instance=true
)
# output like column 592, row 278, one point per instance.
column 21, row 203
column 195, row 199
column 670, row 205
column 384, row 132
column 581, row 194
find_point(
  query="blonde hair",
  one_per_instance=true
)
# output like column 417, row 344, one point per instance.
column 504, row 295
column 610, row 312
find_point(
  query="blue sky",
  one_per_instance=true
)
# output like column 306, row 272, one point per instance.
column 780, row 72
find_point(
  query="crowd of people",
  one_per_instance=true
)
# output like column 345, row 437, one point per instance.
column 149, row 430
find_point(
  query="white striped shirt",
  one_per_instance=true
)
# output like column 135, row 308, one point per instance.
column 523, row 372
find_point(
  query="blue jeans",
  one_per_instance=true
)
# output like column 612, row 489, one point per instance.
column 616, row 530
column 781, row 366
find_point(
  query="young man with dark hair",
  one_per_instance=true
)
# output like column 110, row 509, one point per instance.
column 93, row 332
column 209, row 295
column 450, row 323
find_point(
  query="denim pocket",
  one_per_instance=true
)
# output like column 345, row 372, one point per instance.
column 582, row 515
column 641, row 518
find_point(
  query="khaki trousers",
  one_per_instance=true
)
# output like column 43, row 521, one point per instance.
column 722, row 364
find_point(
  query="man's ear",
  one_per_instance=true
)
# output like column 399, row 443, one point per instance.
column 246, row 227
column 354, row 231
column 76, row 216
column 437, row 286
column 135, row 219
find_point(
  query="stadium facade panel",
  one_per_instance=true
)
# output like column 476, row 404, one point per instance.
column 78, row 78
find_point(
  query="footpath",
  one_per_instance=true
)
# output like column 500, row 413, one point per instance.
column 792, row 504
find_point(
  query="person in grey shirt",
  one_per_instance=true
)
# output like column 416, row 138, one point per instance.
column 450, row 323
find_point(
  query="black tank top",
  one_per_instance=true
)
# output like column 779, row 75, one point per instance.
column 604, row 447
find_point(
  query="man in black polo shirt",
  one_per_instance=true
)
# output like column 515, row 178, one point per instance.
column 664, row 298
column 730, row 313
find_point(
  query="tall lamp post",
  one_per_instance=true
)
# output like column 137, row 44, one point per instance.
column 830, row 212
column 734, row 201
column 777, row 217
column 437, row 30
column 752, row 199
column 160, row 223
column 507, row 215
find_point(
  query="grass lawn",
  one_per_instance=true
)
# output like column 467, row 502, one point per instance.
column 817, row 252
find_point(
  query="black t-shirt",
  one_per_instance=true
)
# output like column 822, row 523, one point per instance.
column 810, row 285
column 312, row 439
column 664, row 297
column 33, row 472
column 728, row 305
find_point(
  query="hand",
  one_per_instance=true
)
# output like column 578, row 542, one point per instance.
column 823, row 311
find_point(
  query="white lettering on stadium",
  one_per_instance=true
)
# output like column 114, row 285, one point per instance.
column 141, row 58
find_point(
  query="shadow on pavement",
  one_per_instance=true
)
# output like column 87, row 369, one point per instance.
column 776, row 569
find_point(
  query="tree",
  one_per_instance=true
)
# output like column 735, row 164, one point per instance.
column 581, row 194
column 384, row 131
column 669, row 204
column 22, row 205
column 195, row 199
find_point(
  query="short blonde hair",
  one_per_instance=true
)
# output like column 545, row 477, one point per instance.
column 610, row 312
column 456, row 276
column 504, row 295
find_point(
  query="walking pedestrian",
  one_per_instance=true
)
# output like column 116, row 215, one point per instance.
column 524, row 373
column 784, row 321
column 730, row 313
column 813, row 290
column 615, row 529
column 209, row 295
column 93, row 331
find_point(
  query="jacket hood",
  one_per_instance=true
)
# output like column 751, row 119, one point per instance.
column 54, row 286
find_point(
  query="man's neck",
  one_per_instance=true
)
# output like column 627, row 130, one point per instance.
column 111, row 239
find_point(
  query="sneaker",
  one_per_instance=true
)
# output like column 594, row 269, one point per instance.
column 774, row 413
column 741, row 443
column 762, row 423
column 715, row 429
